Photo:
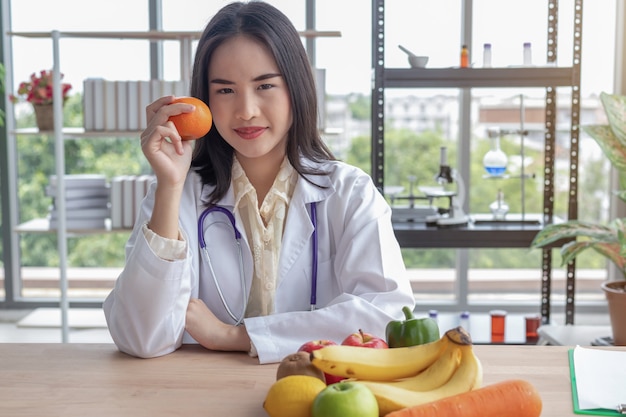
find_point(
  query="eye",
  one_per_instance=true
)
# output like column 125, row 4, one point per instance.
column 225, row 91
column 265, row 86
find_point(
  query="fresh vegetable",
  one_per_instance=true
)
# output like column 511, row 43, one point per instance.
column 511, row 398
column 412, row 331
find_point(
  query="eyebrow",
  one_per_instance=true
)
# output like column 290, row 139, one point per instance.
column 259, row 78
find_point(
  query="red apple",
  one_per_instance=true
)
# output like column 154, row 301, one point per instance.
column 367, row 340
column 318, row 344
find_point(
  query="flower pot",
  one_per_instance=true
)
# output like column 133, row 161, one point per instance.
column 44, row 115
column 615, row 292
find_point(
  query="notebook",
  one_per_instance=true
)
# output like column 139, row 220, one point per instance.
column 575, row 394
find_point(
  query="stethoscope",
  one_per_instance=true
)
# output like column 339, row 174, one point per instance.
column 244, row 293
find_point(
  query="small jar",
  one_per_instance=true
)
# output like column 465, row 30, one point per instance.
column 487, row 55
column 528, row 55
column 465, row 61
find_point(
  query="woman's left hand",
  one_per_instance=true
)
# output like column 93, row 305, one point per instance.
column 211, row 332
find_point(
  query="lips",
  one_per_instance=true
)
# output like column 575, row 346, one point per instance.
column 251, row 132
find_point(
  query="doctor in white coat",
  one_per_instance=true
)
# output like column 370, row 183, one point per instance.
column 318, row 258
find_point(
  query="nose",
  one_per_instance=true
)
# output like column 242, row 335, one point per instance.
column 247, row 106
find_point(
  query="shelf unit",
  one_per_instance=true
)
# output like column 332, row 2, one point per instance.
column 60, row 133
column 549, row 77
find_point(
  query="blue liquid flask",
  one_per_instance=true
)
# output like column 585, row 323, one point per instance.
column 495, row 160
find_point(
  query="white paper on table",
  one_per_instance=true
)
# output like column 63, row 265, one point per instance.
column 600, row 377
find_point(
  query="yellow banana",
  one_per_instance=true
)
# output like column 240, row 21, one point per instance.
column 468, row 376
column 378, row 364
column 436, row 374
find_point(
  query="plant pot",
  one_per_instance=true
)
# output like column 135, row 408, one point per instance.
column 44, row 115
column 615, row 292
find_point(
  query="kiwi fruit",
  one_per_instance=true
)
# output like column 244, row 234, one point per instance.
column 298, row 363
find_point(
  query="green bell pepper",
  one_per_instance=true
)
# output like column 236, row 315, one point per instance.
column 412, row 331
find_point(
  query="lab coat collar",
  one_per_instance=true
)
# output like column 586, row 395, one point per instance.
column 318, row 189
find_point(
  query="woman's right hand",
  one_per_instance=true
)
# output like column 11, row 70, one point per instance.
column 168, row 155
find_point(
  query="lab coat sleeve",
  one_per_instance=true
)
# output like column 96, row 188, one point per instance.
column 370, row 276
column 279, row 335
column 145, row 311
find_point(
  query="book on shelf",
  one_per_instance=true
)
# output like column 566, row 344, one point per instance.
column 84, row 203
column 79, row 224
column 117, row 202
column 81, row 213
column 98, row 104
column 142, row 182
column 145, row 98
column 79, row 193
column 88, row 100
column 128, row 201
column 121, row 105
column 134, row 109
column 80, row 180
column 110, row 103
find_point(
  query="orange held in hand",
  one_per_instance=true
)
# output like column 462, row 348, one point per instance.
column 193, row 125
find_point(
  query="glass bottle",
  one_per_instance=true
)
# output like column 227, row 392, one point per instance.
column 487, row 55
column 464, row 320
column 528, row 56
column 495, row 160
column 464, row 57
column 499, row 208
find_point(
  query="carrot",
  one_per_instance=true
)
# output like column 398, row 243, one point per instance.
column 511, row 398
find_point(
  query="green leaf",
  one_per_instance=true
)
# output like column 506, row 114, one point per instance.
column 572, row 229
column 615, row 108
column 614, row 150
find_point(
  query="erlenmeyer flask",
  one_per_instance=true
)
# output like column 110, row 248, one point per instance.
column 495, row 160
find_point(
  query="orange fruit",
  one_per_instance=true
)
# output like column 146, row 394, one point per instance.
column 193, row 125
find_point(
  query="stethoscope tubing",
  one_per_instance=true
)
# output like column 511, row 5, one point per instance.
column 237, row 234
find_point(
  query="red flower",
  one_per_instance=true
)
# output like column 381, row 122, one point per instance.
column 39, row 89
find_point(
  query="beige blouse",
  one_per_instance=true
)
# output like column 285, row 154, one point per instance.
column 264, row 228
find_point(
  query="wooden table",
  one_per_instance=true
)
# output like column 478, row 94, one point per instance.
column 96, row 380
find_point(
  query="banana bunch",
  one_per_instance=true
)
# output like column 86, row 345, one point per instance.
column 407, row 376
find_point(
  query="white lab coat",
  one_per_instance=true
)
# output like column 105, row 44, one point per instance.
column 361, row 275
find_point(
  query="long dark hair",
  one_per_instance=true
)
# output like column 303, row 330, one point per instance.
column 213, row 156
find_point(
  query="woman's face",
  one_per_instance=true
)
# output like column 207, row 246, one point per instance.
column 249, row 100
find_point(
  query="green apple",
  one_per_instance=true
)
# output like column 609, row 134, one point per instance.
column 345, row 399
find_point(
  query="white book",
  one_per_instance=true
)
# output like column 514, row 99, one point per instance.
column 117, row 202
column 80, row 180
column 141, row 189
column 110, row 112
column 79, row 193
column 79, row 224
column 156, row 90
column 88, row 110
column 98, row 104
column 145, row 98
column 181, row 89
column 128, row 198
column 167, row 88
column 84, row 213
column 133, row 105
column 84, row 203
column 121, row 105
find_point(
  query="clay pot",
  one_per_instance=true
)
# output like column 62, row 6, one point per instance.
column 44, row 116
column 615, row 292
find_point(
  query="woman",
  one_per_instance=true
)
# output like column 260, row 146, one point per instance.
column 301, row 214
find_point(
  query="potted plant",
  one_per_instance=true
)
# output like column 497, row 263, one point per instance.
column 38, row 92
column 609, row 239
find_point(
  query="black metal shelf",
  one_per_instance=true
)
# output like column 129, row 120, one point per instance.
column 479, row 77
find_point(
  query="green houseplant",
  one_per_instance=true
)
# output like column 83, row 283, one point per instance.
column 609, row 239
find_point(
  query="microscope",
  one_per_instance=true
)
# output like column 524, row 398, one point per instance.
column 456, row 215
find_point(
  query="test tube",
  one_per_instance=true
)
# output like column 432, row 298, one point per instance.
column 498, row 318
column 532, row 324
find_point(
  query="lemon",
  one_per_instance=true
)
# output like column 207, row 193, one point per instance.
column 292, row 396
